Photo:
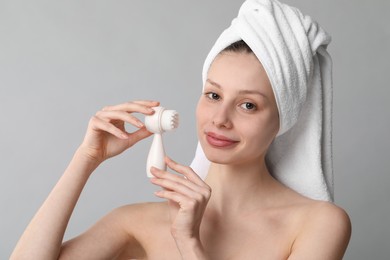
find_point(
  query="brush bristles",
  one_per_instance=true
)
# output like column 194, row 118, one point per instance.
column 175, row 121
column 169, row 120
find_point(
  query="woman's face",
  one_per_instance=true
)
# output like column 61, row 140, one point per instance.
column 237, row 116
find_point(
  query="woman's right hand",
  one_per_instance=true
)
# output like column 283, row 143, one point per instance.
column 106, row 134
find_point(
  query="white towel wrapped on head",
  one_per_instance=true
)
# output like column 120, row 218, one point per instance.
column 292, row 50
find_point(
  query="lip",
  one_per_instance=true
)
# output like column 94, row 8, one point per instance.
column 219, row 141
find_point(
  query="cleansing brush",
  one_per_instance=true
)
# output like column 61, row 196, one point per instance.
column 161, row 121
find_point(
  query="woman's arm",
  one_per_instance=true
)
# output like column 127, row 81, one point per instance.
column 43, row 237
column 105, row 137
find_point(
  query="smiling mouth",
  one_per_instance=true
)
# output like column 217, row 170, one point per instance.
column 219, row 141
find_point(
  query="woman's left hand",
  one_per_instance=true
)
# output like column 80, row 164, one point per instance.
column 187, row 196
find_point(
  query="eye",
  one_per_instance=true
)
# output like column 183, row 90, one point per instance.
column 212, row 96
column 248, row 106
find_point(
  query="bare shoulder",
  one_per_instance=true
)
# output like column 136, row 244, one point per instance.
column 144, row 207
column 331, row 219
column 141, row 221
column 121, row 230
column 323, row 213
column 143, row 213
column 325, row 233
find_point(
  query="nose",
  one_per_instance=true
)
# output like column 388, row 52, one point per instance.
column 221, row 118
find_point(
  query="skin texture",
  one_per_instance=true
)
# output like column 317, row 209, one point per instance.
column 239, row 212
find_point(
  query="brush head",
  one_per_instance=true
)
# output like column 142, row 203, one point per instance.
column 162, row 120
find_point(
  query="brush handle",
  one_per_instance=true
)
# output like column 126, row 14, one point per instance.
column 156, row 155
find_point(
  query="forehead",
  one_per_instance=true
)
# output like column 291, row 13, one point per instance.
column 239, row 71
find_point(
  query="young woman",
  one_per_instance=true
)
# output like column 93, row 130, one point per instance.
column 240, row 211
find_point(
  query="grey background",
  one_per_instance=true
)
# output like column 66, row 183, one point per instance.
column 61, row 61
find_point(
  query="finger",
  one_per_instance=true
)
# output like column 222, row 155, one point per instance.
column 150, row 103
column 99, row 124
column 175, row 186
column 177, row 183
column 178, row 179
column 144, row 107
column 184, row 170
column 119, row 115
column 138, row 135
column 184, row 202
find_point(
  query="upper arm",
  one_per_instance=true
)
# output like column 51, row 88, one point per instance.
column 325, row 235
column 107, row 239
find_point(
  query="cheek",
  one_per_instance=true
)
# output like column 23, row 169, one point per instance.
column 256, row 135
column 261, row 132
column 202, row 110
column 200, row 113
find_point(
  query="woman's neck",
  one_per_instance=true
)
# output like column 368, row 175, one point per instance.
column 240, row 188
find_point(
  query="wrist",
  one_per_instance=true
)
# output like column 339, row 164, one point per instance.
column 88, row 155
column 84, row 162
column 191, row 249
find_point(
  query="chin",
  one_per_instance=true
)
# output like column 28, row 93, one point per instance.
column 218, row 160
column 230, row 157
column 219, row 156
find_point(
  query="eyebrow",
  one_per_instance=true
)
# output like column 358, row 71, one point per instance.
column 215, row 84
